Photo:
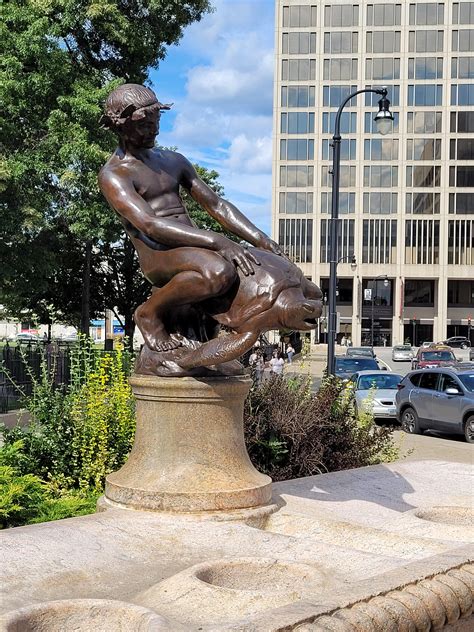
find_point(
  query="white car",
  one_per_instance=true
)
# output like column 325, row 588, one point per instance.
column 402, row 353
column 26, row 337
column 375, row 391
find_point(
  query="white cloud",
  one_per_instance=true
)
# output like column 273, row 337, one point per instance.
column 224, row 119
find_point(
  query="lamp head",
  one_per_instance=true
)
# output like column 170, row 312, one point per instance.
column 353, row 262
column 385, row 282
column 384, row 118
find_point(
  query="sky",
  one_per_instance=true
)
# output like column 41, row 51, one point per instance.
column 220, row 80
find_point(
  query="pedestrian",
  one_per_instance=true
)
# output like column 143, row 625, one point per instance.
column 253, row 358
column 276, row 364
column 290, row 352
column 259, row 369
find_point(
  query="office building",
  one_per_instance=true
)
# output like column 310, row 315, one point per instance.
column 407, row 198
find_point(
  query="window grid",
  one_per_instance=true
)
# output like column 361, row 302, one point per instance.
column 296, row 239
column 421, row 241
column 345, row 239
column 461, row 242
column 379, row 241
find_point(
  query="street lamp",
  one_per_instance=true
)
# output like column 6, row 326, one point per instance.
column 382, row 119
column 372, row 297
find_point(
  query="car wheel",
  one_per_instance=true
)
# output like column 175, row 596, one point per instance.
column 410, row 421
column 469, row 429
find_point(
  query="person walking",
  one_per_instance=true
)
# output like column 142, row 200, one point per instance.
column 290, row 352
column 259, row 368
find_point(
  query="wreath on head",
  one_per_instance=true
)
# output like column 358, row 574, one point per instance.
column 114, row 119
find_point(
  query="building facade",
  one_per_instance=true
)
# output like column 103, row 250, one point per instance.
column 407, row 198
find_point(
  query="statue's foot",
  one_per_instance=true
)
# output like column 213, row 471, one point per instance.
column 154, row 333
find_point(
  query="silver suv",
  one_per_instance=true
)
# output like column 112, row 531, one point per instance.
column 438, row 399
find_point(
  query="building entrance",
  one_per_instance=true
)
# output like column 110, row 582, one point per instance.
column 416, row 333
column 382, row 332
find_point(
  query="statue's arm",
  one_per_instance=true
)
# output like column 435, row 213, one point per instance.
column 228, row 216
column 120, row 193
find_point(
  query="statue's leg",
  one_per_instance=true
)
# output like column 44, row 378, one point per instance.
column 219, row 350
column 187, row 276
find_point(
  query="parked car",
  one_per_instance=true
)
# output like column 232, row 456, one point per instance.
column 402, row 353
column 345, row 367
column 377, row 390
column 26, row 337
column 438, row 399
column 432, row 357
column 428, row 343
column 361, row 352
column 457, row 342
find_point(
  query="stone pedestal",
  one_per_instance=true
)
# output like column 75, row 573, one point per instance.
column 189, row 453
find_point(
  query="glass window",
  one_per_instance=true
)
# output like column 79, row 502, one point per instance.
column 340, row 69
column 379, row 241
column 425, row 68
column 380, row 203
column 418, row 293
column 461, row 203
column 341, row 15
column 296, row 149
column 338, row 42
column 462, row 122
column 425, row 13
column 298, row 43
column 333, row 96
column 423, row 176
column 348, row 149
column 346, row 203
column 297, row 96
column 461, row 149
column 380, row 176
column 463, row 13
column 295, row 236
column 429, row 380
column 382, row 68
column 297, row 123
column 422, row 241
column 381, row 149
column 423, row 149
column 448, row 381
column 424, row 122
column 462, row 68
column 299, row 15
column 463, row 40
column 345, row 239
column 294, row 202
column 386, row 14
column 425, row 94
column 425, row 203
column 461, row 176
column 462, row 94
column 298, row 69
column 383, row 41
column 425, row 41
column 296, row 176
column 347, row 176
column 348, row 122
column 372, row 99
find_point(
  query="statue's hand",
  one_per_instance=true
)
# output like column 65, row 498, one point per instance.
column 239, row 256
column 265, row 243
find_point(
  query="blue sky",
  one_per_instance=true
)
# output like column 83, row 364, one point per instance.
column 220, row 79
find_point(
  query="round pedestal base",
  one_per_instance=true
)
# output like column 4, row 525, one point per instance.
column 189, row 453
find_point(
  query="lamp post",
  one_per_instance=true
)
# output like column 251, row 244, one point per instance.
column 383, row 120
column 372, row 297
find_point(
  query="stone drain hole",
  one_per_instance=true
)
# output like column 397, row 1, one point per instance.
column 457, row 516
column 261, row 576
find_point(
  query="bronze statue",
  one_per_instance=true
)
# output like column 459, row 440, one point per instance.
column 201, row 279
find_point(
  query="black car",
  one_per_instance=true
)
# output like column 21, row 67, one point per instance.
column 361, row 352
column 458, row 342
column 347, row 366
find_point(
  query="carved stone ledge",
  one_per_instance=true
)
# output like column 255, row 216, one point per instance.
column 430, row 604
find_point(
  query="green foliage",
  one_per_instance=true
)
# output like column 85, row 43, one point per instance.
column 58, row 61
column 291, row 432
column 56, row 466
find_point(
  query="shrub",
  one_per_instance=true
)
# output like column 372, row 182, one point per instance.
column 291, row 432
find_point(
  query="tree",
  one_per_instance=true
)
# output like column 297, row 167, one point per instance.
column 58, row 61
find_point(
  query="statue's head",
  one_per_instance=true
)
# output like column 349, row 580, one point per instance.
column 132, row 111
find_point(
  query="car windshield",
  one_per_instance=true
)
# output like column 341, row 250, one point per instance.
column 352, row 365
column 468, row 381
column 402, row 348
column 377, row 381
column 360, row 352
column 437, row 355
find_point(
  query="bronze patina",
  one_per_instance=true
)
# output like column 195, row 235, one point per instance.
column 201, row 279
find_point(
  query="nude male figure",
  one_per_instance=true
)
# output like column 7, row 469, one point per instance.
column 141, row 183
